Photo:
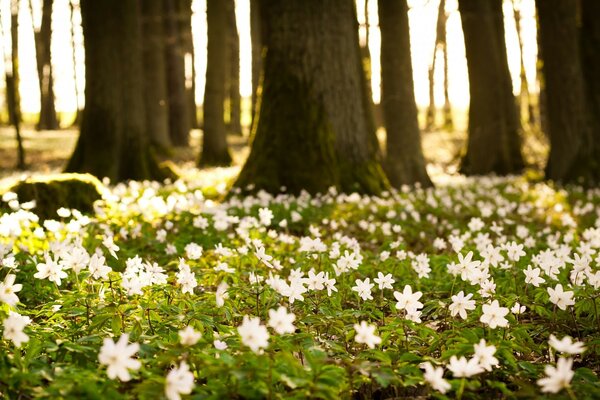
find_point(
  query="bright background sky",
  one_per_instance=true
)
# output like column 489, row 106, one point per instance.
column 423, row 14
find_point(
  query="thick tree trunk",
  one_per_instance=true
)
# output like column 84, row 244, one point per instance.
column 257, row 57
column 314, row 129
column 178, row 101
column 155, row 78
column 233, row 89
column 113, row 142
column 214, row 141
column 571, row 144
column 494, row 143
column 405, row 163
column 590, row 49
column 43, row 39
column 184, row 11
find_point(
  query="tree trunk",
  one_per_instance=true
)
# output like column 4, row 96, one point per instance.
column 12, row 84
column 78, row 113
column 315, row 129
column 178, row 101
column 405, row 163
column 590, row 49
column 233, row 89
column 571, row 145
column 524, row 99
column 215, row 151
column 257, row 57
column 113, row 142
column 440, row 36
column 184, row 11
column 155, row 82
column 494, row 143
column 43, row 39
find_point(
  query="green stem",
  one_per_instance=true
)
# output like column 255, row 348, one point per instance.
column 461, row 389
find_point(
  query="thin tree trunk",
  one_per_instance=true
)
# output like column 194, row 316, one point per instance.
column 215, row 150
column 113, row 142
column 155, row 82
column 78, row 113
column 257, row 57
column 184, row 11
column 12, row 84
column 524, row 100
column 448, row 120
column 178, row 100
column 440, row 37
column 405, row 163
column 494, row 141
column 233, row 89
column 315, row 129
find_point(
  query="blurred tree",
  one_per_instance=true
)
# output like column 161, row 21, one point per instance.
column 72, row 7
column 494, row 142
column 572, row 147
column 215, row 150
column 314, row 129
column 43, row 39
column 440, row 45
column 404, row 162
column 155, row 81
column 184, row 12
column 113, row 142
column 257, row 56
column 524, row 101
column 178, row 100
column 233, row 61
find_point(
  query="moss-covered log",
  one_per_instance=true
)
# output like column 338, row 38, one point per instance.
column 314, row 127
column 72, row 191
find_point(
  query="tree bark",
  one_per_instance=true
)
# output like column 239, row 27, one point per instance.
column 184, row 12
column 494, row 143
column 257, row 57
column 155, row 78
column 405, row 163
column 43, row 38
column 178, row 101
column 571, row 142
column 233, row 89
column 113, row 142
column 12, row 84
column 314, row 129
column 215, row 151
column 77, row 120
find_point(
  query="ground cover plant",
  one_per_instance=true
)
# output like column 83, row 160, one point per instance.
column 480, row 287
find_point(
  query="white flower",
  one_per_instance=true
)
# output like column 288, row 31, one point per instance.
column 315, row 281
column 110, row 246
column 461, row 368
column 221, row 294
column 188, row 336
column 461, row 303
column 363, row 288
column 532, row 276
column 518, row 309
column 8, row 290
column 561, row 298
column 485, row 355
column 219, row 344
column 281, row 321
column 265, row 216
column 493, row 315
column 253, row 334
column 557, row 378
column 566, row 345
column 186, row 278
column 193, row 251
column 117, row 357
column 365, row 333
column 407, row 300
column 329, row 284
column 180, row 380
column 13, row 328
column 51, row 270
column 435, row 377
column 98, row 268
column 384, row 281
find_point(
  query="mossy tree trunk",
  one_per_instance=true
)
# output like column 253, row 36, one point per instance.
column 571, row 141
column 43, row 38
column 494, row 142
column 314, row 128
column 215, row 150
column 404, row 163
column 155, row 78
column 178, row 101
column 257, row 56
column 113, row 142
column 233, row 83
column 590, row 49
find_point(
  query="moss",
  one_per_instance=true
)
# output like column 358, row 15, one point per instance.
column 76, row 191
